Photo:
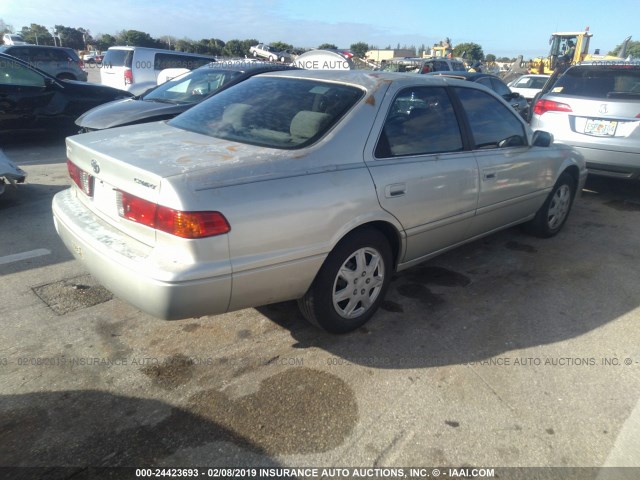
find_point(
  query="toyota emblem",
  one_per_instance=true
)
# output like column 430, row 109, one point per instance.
column 96, row 166
column 603, row 108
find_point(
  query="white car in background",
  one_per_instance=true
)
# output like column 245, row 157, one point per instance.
column 262, row 50
column 13, row 39
column 528, row 85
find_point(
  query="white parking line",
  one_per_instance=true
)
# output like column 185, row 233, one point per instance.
column 16, row 257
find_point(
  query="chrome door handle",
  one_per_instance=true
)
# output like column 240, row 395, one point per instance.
column 488, row 174
column 395, row 190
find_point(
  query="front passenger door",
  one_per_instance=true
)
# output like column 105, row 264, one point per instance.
column 23, row 94
column 510, row 171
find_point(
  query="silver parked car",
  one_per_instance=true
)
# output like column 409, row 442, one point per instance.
column 309, row 185
column 595, row 107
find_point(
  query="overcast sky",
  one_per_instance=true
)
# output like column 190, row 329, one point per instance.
column 501, row 27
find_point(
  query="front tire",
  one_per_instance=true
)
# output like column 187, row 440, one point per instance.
column 351, row 283
column 554, row 212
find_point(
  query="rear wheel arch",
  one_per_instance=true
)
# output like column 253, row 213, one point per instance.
column 330, row 303
column 387, row 229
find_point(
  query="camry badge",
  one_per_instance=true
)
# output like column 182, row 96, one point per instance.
column 96, row 166
column 603, row 108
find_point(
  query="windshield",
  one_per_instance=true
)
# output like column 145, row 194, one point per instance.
column 617, row 81
column 271, row 111
column 192, row 87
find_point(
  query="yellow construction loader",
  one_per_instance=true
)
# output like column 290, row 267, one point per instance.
column 569, row 48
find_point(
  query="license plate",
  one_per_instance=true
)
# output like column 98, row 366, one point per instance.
column 600, row 128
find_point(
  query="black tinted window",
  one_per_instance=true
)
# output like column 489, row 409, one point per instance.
column 12, row 73
column 499, row 87
column 421, row 121
column 491, row 122
column 611, row 82
column 167, row 60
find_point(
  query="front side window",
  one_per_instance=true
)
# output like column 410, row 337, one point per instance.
column 421, row 121
column 274, row 112
column 13, row 73
column 499, row 87
column 492, row 123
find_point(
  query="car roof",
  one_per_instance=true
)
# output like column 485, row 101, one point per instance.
column 468, row 76
column 370, row 79
column 40, row 47
column 245, row 65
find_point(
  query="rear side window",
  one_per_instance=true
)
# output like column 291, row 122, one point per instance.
column 492, row 124
column 118, row 58
column 611, row 82
column 167, row 60
column 421, row 121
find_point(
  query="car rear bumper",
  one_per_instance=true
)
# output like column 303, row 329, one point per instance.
column 611, row 163
column 126, row 268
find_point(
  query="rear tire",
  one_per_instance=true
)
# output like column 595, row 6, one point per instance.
column 554, row 212
column 351, row 283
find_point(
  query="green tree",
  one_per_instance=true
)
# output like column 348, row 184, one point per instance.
column 76, row 38
column 104, row 41
column 327, row 46
column 281, row 46
column 359, row 49
column 5, row 27
column 633, row 49
column 236, row 48
column 168, row 41
column 36, row 34
column 490, row 58
column 468, row 51
column 184, row 45
column 135, row 38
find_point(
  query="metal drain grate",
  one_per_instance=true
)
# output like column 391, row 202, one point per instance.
column 72, row 294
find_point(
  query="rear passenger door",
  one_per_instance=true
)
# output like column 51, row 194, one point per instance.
column 422, row 172
column 510, row 171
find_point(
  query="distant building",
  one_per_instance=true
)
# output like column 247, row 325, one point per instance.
column 379, row 55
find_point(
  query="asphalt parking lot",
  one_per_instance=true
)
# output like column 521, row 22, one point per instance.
column 509, row 352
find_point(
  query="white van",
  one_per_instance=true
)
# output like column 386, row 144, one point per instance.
column 136, row 69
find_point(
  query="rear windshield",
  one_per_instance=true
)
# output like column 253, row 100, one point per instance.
column 272, row 112
column 601, row 82
column 118, row 58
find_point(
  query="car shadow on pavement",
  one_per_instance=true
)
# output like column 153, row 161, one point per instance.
column 88, row 428
column 503, row 293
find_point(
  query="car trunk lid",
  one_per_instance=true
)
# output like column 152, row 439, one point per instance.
column 158, row 163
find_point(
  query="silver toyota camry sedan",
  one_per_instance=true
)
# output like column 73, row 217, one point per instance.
column 308, row 185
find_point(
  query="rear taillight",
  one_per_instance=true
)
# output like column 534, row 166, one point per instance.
column 82, row 179
column 543, row 106
column 128, row 76
column 175, row 222
column 81, row 64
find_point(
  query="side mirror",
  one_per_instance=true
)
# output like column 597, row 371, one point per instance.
column 541, row 139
